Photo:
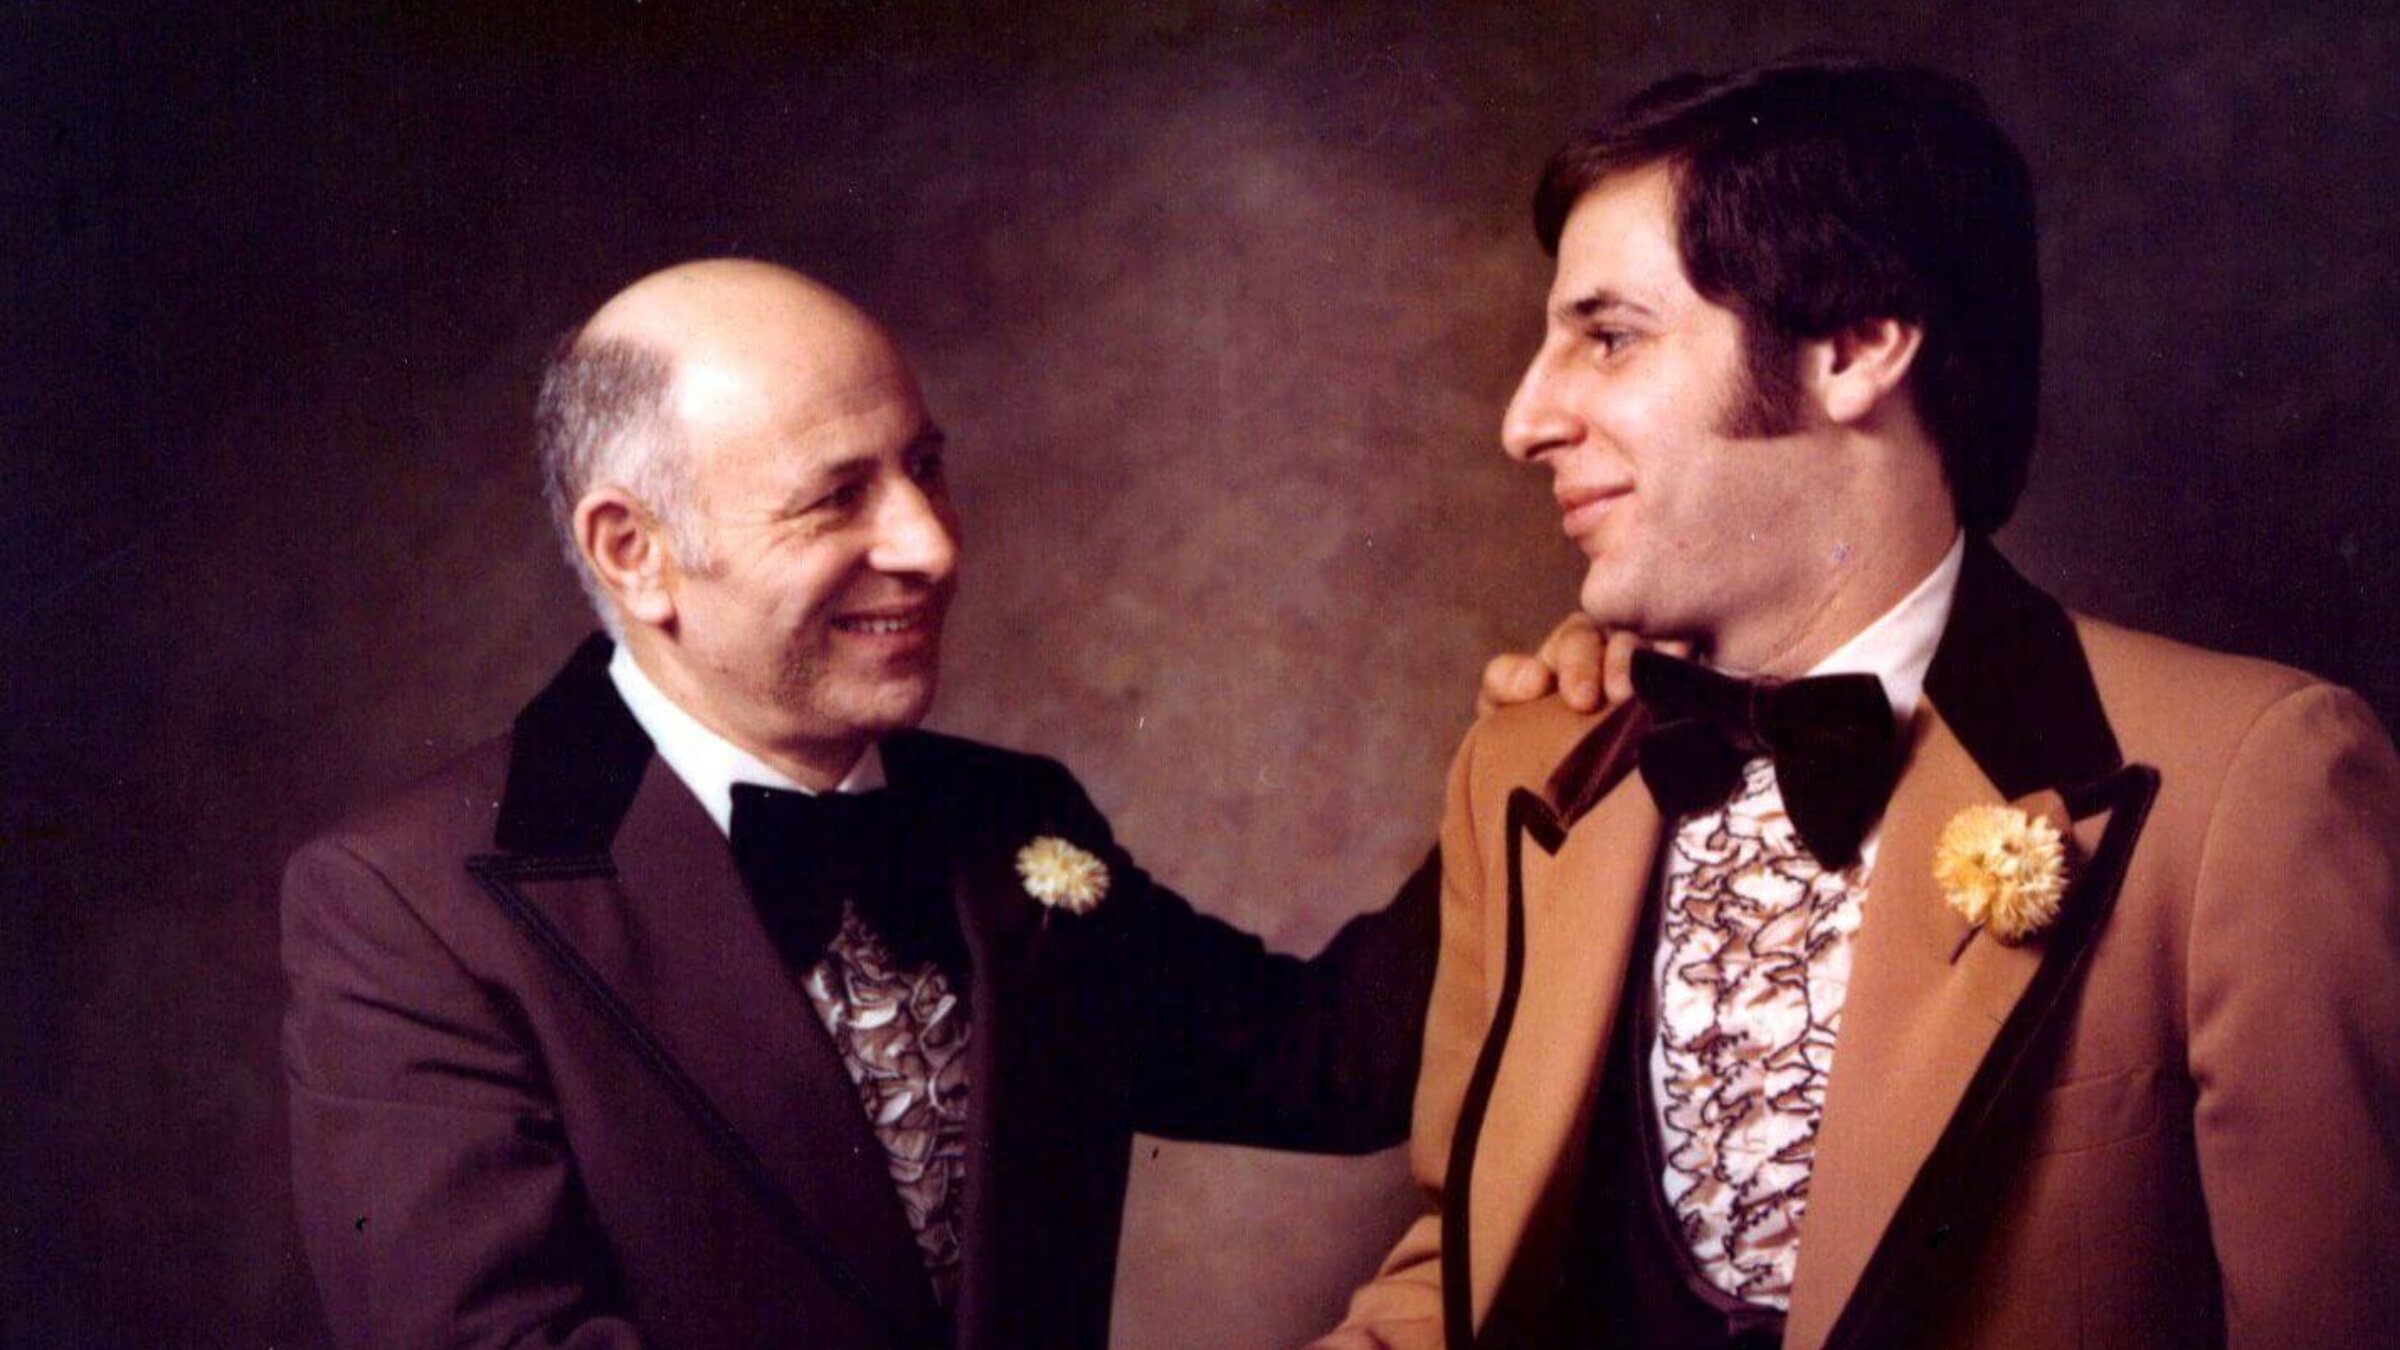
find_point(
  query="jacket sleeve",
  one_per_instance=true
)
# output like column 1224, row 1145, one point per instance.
column 2294, row 1007
column 1229, row 1042
column 436, row 1198
column 1401, row 1308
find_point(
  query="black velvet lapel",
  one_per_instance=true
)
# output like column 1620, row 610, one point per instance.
column 574, row 762
column 1599, row 762
column 2011, row 680
column 596, row 867
column 1528, row 817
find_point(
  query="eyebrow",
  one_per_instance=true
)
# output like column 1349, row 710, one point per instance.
column 1599, row 300
column 928, row 436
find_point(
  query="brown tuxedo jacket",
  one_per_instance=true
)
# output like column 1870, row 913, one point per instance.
column 2172, row 1120
column 551, row 1084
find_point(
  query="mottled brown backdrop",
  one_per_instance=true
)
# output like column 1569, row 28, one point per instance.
column 1221, row 302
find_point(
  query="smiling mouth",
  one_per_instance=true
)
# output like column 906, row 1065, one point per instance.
column 1581, row 510
column 886, row 625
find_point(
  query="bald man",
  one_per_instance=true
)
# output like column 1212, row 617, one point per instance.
column 715, row 1006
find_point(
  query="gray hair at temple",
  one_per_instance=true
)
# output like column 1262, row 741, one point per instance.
column 602, row 417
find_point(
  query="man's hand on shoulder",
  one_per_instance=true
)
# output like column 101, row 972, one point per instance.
column 1589, row 667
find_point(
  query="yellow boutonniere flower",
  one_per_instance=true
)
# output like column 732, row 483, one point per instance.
column 2002, row 870
column 1062, row 876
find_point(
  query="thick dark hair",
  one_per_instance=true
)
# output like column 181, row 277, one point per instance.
column 1818, row 193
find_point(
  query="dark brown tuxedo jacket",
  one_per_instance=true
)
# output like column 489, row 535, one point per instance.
column 2170, row 1121
column 551, row 1084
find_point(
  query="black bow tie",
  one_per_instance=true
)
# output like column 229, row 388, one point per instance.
column 1832, row 738
column 803, row 855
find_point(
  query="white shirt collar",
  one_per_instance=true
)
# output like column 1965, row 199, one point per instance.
column 707, row 763
column 1898, row 647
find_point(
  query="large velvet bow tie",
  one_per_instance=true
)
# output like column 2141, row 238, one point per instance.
column 803, row 855
column 1832, row 738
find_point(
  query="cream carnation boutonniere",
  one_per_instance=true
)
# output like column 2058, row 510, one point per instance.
column 2003, row 870
column 1062, row 876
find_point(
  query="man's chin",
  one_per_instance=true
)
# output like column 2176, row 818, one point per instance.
column 1606, row 604
column 889, row 706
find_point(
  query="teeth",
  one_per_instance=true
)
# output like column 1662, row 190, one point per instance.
column 883, row 626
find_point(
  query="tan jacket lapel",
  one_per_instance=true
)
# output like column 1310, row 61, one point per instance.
column 1580, row 912
column 1927, row 997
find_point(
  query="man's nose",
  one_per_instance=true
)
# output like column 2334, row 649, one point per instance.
column 915, row 533
column 1537, row 420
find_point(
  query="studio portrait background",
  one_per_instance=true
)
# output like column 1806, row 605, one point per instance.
column 1220, row 303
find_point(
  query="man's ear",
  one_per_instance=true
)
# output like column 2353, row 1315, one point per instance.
column 627, row 550
column 1853, row 372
